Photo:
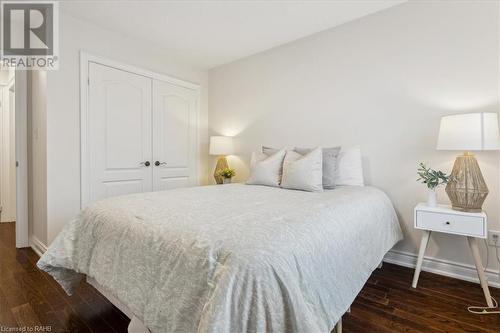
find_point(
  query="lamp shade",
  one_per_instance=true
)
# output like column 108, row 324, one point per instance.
column 221, row 145
column 470, row 131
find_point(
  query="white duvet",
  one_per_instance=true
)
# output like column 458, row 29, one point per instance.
column 232, row 258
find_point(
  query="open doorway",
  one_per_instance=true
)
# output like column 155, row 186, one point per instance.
column 7, row 146
column 13, row 154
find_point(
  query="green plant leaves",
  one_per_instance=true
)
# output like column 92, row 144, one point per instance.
column 227, row 173
column 432, row 178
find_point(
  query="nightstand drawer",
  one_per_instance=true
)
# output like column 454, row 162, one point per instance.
column 450, row 223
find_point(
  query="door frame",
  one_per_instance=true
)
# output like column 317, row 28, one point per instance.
column 8, row 160
column 21, row 121
column 8, row 152
column 85, row 59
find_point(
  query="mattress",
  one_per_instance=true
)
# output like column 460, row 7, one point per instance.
column 229, row 258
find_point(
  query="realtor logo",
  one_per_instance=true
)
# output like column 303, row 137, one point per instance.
column 29, row 34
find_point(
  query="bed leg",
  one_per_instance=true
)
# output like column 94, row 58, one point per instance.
column 338, row 327
column 136, row 326
column 380, row 265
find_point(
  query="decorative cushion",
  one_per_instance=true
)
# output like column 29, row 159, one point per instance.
column 269, row 151
column 303, row 172
column 349, row 167
column 329, row 164
column 266, row 170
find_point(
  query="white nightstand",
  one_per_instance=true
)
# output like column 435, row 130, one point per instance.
column 444, row 219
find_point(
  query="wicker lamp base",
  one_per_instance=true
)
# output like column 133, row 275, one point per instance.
column 221, row 164
column 467, row 189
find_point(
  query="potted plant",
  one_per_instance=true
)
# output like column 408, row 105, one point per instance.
column 432, row 179
column 227, row 174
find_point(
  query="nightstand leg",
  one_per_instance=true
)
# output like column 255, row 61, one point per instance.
column 474, row 248
column 423, row 246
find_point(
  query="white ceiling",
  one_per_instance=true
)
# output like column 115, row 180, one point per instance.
column 207, row 34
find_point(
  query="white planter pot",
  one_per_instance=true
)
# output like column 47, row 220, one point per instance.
column 226, row 181
column 432, row 198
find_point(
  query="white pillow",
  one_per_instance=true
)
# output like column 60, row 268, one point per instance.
column 303, row 172
column 329, row 164
column 349, row 167
column 266, row 170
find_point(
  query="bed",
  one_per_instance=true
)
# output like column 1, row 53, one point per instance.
column 228, row 258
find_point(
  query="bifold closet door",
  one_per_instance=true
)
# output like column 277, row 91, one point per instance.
column 174, row 136
column 118, row 132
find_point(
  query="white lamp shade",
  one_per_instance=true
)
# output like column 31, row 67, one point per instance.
column 470, row 131
column 221, row 145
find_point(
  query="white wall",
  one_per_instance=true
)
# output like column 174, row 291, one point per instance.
column 383, row 82
column 63, row 125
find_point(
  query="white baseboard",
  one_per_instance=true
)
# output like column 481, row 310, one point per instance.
column 442, row 267
column 37, row 245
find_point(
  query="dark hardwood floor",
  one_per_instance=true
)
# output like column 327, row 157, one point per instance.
column 30, row 297
column 387, row 303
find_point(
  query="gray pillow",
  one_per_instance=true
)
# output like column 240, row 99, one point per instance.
column 269, row 151
column 329, row 163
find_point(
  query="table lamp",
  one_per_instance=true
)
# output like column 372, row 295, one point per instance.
column 221, row 146
column 468, row 132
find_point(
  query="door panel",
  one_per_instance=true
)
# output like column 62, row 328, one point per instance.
column 119, row 132
column 174, row 136
column 121, row 187
column 169, row 183
column 173, row 126
column 124, row 146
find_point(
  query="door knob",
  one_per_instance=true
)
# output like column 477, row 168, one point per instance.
column 145, row 163
column 158, row 163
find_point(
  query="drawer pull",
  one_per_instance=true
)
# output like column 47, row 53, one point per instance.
column 448, row 222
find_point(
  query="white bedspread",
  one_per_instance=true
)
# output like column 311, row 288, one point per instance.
column 232, row 258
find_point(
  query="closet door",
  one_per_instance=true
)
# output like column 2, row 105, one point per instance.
column 118, row 132
column 174, row 136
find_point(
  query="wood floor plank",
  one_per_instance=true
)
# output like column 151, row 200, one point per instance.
column 358, row 325
column 388, row 319
column 71, row 322
column 26, row 316
column 81, row 310
column 6, row 317
column 439, row 303
column 421, row 315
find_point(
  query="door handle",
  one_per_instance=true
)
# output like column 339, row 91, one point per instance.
column 146, row 164
column 158, row 163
